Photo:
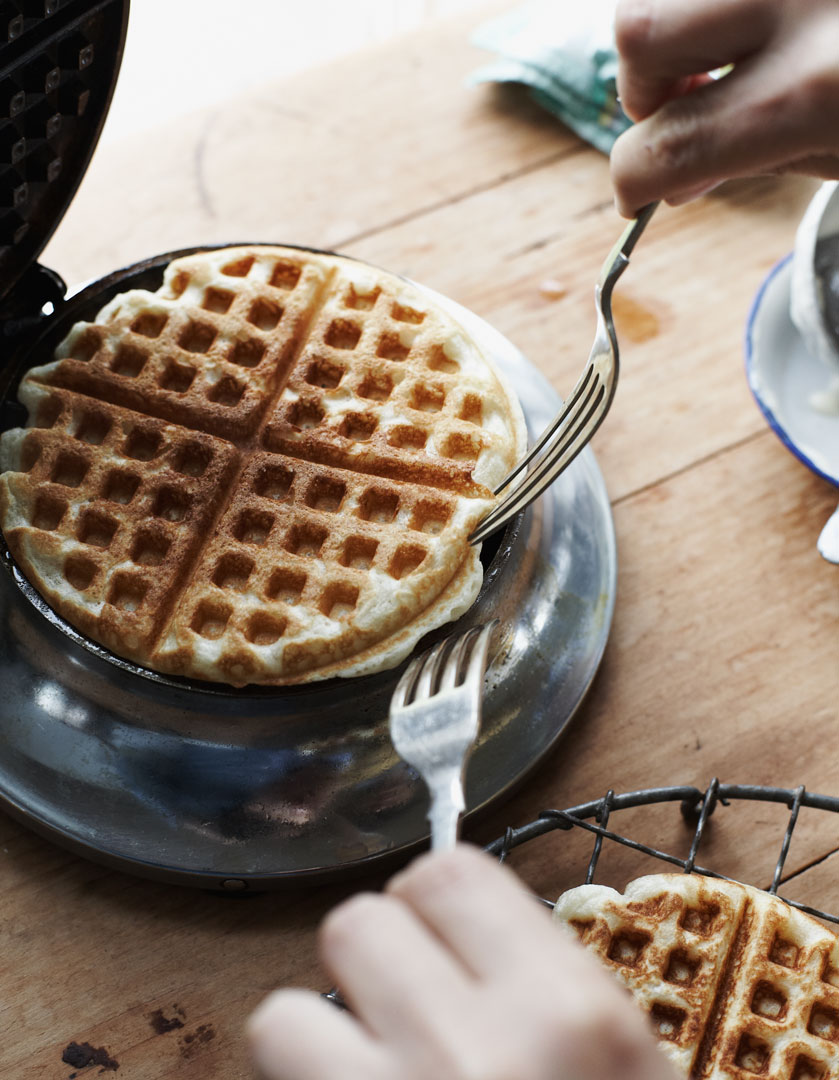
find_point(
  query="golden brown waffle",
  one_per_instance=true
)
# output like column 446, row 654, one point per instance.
column 264, row 472
column 737, row 984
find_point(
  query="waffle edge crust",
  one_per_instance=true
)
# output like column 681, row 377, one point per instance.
column 736, row 983
column 265, row 472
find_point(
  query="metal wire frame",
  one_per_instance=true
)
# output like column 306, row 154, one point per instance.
column 696, row 806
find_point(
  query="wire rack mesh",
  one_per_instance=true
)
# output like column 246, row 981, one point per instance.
column 696, row 808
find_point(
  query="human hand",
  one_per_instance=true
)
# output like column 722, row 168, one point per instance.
column 455, row 973
column 776, row 111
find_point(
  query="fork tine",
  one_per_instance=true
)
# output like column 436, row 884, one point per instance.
column 405, row 687
column 455, row 667
column 480, row 651
column 431, row 668
column 577, row 420
column 554, row 426
column 546, row 469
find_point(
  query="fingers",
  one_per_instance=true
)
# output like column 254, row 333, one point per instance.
column 481, row 912
column 777, row 111
column 396, row 976
column 662, row 44
column 295, row 1035
column 741, row 125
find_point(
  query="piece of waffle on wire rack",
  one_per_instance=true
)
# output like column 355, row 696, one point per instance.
column 738, row 981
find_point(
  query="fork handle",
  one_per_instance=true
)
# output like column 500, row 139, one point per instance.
column 618, row 258
column 447, row 804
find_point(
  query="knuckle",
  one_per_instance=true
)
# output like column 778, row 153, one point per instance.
column 635, row 24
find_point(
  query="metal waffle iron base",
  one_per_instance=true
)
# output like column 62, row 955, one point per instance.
column 200, row 784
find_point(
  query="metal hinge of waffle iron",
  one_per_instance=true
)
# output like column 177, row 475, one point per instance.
column 35, row 298
column 28, row 304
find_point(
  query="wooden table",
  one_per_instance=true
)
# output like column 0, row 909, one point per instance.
column 724, row 653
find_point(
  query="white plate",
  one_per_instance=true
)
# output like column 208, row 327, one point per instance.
column 784, row 376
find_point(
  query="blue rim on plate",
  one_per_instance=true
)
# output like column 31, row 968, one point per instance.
column 753, row 378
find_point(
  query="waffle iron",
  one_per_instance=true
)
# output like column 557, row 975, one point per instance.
column 198, row 783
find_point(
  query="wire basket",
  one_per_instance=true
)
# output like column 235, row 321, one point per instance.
column 696, row 808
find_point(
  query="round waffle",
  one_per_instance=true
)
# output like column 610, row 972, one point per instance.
column 264, row 472
column 737, row 984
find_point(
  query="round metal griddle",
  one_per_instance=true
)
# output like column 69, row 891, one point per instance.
column 205, row 785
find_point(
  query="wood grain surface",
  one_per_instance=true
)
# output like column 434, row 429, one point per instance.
column 724, row 654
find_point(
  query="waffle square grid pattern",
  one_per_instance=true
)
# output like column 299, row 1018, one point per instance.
column 266, row 471
column 737, row 985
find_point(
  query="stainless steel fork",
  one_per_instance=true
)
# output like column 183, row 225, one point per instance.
column 584, row 410
column 435, row 715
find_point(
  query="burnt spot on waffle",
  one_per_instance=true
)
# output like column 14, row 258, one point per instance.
column 263, row 470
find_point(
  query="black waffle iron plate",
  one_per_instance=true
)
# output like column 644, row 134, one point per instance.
column 198, row 783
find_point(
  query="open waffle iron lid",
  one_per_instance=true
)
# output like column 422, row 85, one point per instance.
column 59, row 61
